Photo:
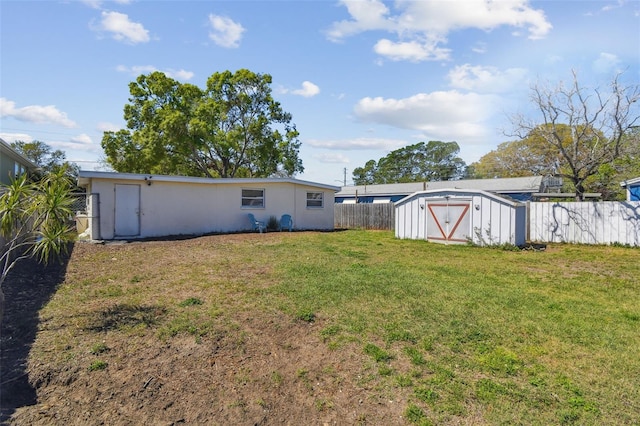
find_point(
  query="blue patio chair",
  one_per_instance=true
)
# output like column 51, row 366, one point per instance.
column 286, row 222
column 256, row 225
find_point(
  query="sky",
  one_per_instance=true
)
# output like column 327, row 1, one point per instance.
column 361, row 78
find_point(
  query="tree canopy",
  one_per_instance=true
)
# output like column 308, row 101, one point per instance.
column 45, row 157
column 525, row 157
column 586, row 130
column 534, row 156
column 232, row 128
column 432, row 161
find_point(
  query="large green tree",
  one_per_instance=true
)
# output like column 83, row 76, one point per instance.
column 599, row 122
column 232, row 128
column 431, row 161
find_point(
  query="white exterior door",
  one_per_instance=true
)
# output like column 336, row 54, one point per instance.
column 449, row 221
column 127, row 210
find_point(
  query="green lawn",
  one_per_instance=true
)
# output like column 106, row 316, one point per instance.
column 525, row 337
column 475, row 335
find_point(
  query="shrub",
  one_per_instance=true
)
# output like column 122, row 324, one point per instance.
column 273, row 224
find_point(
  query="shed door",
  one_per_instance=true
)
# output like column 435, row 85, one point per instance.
column 449, row 221
column 127, row 211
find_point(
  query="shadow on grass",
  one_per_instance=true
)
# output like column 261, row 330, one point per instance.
column 27, row 289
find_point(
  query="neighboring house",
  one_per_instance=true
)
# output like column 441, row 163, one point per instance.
column 12, row 163
column 633, row 189
column 520, row 189
column 127, row 206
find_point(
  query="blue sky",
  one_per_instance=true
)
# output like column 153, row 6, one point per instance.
column 361, row 78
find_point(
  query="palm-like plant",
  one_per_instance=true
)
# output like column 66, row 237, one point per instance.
column 35, row 220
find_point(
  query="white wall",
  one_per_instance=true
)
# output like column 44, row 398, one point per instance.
column 186, row 208
column 585, row 223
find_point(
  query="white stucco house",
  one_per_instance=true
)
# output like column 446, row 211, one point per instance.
column 131, row 206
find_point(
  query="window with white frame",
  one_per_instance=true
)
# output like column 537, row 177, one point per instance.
column 253, row 198
column 315, row 200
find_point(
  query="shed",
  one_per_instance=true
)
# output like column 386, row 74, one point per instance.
column 128, row 206
column 461, row 216
column 633, row 189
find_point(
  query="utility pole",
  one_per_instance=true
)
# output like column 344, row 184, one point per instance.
column 345, row 177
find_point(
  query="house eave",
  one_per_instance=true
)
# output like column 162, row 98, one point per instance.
column 16, row 156
column 628, row 182
column 84, row 177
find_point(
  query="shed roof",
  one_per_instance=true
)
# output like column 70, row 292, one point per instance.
column 84, row 176
column 500, row 185
column 459, row 192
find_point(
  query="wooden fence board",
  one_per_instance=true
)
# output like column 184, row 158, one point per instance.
column 364, row 216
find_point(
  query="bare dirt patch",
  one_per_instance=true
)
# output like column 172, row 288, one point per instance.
column 253, row 367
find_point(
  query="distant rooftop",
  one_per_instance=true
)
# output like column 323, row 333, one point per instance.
column 530, row 184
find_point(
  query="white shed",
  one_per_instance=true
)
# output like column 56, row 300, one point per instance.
column 127, row 205
column 461, row 216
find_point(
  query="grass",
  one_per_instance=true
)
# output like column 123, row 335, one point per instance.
column 475, row 334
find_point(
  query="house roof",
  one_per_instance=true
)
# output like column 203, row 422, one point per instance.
column 628, row 182
column 499, row 185
column 8, row 150
column 84, row 176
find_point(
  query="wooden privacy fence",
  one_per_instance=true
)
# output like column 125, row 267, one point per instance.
column 364, row 216
column 604, row 222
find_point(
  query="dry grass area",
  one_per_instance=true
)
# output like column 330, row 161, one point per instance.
column 124, row 340
column 320, row 329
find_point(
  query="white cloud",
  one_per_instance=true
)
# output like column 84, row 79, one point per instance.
column 181, row 74
column 357, row 144
column 414, row 51
column 94, row 4
column 82, row 139
column 308, row 90
column 479, row 47
column 108, row 127
column 12, row 137
column 441, row 115
column 331, row 157
column 136, row 70
column 610, row 7
column 97, row 4
column 486, row 79
column 122, row 29
column 422, row 26
column 73, row 146
column 35, row 114
column 606, row 63
column 225, row 32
